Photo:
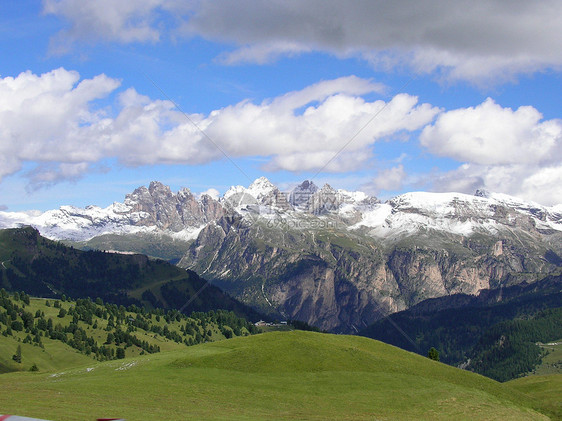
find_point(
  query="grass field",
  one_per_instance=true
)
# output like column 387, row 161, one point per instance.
column 551, row 363
column 56, row 355
column 544, row 385
column 276, row 375
column 544, row 389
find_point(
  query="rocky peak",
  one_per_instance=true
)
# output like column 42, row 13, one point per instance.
column 308, row 185
column 261, row 183
column 301, row 194
column 326, row 188
column 184, row 194
column 323, row 201
column 482, row 193
column 139, row 194
column 159, row 191
column 267, row 194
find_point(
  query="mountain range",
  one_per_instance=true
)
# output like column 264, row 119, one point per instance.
column 336, row 259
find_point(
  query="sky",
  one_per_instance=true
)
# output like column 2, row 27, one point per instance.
column 98, row 98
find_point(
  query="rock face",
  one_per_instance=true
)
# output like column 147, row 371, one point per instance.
column 333, row 258
column 158, row 206
column 154, row 209
column 341, row 260
column 343, row 282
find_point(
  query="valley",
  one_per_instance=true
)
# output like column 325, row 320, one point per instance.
column 335, row 259
column 468, row 275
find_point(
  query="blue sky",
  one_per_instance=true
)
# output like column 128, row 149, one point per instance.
column 98, row 98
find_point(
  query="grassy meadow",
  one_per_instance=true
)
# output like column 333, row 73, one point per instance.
column 275, row 375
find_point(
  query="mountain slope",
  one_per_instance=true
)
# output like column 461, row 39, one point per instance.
column 54, row 334
column 276, row 375
column 45, row 268
column 544, row 389
column 465, row 326
column 333, row 258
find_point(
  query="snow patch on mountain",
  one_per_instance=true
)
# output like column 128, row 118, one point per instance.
column 455, row 213
column 183, row 215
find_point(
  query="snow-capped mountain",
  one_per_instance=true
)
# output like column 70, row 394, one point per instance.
column 157, row 209
column 457, row 213
column 334, row 258
column 146, row 210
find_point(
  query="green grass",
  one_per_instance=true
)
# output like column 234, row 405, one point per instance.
column 552, row 362
column 276, row 375
column 544, row 385
column 546, row 392
column 55, row 356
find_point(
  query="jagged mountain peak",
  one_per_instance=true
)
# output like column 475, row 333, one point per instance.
column 307, row 185
column 482, row 193
column 261, row 182
column 326, row 188
column 301, row 194
column 184, row 192
column 261, row 187
column 157, row 208
column 157, row 185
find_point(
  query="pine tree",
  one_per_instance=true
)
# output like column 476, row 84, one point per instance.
column 17, row 356
column 433, row 354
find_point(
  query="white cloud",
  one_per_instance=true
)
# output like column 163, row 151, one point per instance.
column 322, row 161
column 389, row 179
column 49, row 120
column 503, row 150
column 543, row 186
column 262, row 54
column 105, row 20
column 49, row 174
column 476, row 41
column 214, row 193
column 490, row 134
column 531, row 182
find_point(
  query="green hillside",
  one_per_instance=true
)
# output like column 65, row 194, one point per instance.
column 551, row 363
column 546, row 389
column 54, row 334
column 497, row 330
column 509, row 349
column 45, row 268
column 276, row 375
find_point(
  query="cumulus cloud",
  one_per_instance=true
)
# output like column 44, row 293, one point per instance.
column 505, row 150
column 105, row 20
column 50, row 120
column 531, row 182
column 466, row 40
column 490, row 134
column 389, row 179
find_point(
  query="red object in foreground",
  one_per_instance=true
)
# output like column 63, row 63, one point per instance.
column 18, row 418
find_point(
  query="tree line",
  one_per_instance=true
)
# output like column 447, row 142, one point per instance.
column 79, row 322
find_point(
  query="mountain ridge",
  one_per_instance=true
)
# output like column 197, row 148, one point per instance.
column 182, row 215
column 335, row 259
